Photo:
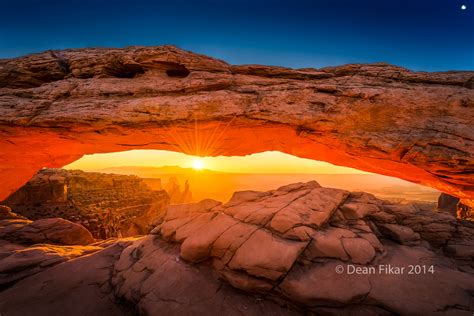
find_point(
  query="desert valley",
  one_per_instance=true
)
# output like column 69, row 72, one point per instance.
column 221, row 185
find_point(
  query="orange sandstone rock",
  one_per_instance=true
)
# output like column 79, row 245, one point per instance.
column 59, row 105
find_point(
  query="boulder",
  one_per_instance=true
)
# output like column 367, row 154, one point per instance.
column 49, row 230
column 448, row 203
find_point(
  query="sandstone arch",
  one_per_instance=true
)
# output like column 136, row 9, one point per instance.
column 57, row 106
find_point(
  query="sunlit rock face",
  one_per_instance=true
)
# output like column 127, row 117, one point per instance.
column 288, row 244
column 108, row 205
column 278, row 252
column 48, row 230
column 59, row 105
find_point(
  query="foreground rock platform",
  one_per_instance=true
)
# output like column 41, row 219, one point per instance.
column 59, row 105
column 289, row 251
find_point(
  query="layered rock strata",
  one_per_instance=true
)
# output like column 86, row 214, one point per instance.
column 59, row 105
column 108, row 205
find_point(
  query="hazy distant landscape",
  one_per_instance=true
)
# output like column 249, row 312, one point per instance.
column 220, row 185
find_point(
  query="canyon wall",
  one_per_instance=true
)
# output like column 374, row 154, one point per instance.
column 108, row 205
column 59, row 105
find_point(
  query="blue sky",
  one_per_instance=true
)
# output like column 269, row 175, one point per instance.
column 417, row 34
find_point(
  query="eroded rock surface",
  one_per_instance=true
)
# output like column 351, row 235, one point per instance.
column 20, row 263
column 108, row 205
column 150, row 275
column 76, row 287
column 48, row 230
column 6, row 213
column 279, row 252
column 59, row 105
column 452, row 205
column 323, row 229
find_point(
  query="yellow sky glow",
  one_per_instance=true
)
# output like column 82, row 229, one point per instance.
column 266, row 162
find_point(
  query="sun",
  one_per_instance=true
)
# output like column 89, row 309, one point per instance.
column 197, row 164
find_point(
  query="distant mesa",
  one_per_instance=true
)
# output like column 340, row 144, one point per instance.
column 221, row 185
column 150, row 172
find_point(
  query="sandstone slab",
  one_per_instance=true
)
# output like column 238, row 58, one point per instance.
column 359, row 250
column 319, row 284
column 25, row 262
column 76, row 287
column 312, row 209
column 265, row 255
column 328, row 243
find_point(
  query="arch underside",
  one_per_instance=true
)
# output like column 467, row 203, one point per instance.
column 56, row 107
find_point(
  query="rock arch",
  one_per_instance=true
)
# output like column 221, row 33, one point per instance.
column 57, row 106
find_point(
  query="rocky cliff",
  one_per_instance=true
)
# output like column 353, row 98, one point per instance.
column 108, row 205
column 178, row 196
column 291, row 251
column 59, row 105
column 451, row 204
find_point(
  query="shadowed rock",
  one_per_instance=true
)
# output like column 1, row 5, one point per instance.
column 6, row 213
column 24, row 262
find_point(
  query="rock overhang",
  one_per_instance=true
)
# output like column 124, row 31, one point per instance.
column 59, row 105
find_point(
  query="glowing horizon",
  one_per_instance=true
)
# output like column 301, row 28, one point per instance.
column 265, row 162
